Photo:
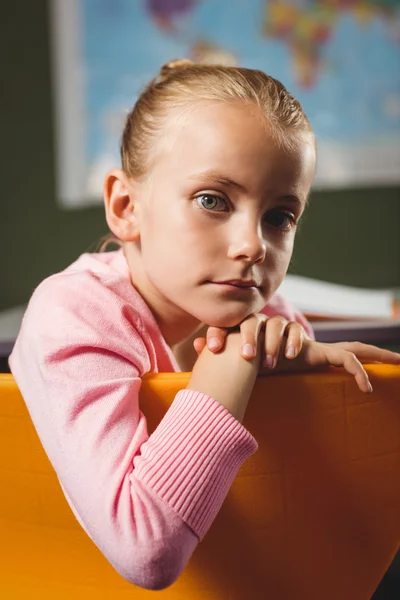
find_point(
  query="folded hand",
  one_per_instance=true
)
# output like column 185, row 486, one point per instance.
column 287, row 348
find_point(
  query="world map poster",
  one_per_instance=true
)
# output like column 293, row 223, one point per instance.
column 339, row 58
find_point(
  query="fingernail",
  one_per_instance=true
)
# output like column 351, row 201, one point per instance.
column 270, row 361
column 370, row 387
column 248, row 350
column 213, row 343
column 291, row 351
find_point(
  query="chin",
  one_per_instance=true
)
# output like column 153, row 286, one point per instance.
column 225, row 318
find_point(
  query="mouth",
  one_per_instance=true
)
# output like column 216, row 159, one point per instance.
column 237, row 284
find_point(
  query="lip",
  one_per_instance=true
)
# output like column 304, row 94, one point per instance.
column 238, row 283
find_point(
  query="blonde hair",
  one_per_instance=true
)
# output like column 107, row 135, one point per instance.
column 179, row 83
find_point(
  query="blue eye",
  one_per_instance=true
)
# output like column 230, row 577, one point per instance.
column 280, row 220
column 211, row 202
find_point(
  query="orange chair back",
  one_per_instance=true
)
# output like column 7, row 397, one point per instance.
column 315, row 513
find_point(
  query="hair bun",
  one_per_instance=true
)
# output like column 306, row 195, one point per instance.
column 178, row 64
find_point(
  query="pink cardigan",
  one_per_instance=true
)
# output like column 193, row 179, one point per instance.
column 86, row 340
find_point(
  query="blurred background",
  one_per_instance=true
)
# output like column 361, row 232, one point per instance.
column 72, row 69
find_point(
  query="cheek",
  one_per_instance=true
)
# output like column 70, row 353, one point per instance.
column 171, row 248
column 193, row 240
column 278, row 257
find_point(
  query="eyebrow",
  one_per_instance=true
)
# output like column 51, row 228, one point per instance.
column 295, row 200
column 215, row 177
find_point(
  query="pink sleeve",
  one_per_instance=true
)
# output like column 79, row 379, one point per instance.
column 278, row 305
column 144, row 501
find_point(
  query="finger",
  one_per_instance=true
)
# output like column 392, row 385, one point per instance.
column 250, row 330
column 199, row 344
column 367, row 353
column 274, row 334
column 295, row 337
column 342, row 358
column 216, row 338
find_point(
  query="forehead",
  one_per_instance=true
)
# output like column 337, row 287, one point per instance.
column 235, row 139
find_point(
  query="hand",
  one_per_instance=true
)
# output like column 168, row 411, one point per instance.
column 279, row 333
column 349, row 355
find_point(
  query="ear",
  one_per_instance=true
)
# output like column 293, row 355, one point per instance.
column 121, row 205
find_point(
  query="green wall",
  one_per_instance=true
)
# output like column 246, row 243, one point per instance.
column 351, row 237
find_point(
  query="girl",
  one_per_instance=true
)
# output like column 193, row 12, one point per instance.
column 217, row 165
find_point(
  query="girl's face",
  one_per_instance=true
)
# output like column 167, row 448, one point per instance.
column 221, row 204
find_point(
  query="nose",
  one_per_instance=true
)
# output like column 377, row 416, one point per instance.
column 247, row 242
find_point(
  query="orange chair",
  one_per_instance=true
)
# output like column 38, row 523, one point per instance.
column 314, row 514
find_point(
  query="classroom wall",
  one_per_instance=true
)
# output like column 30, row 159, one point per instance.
column 348, row 236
